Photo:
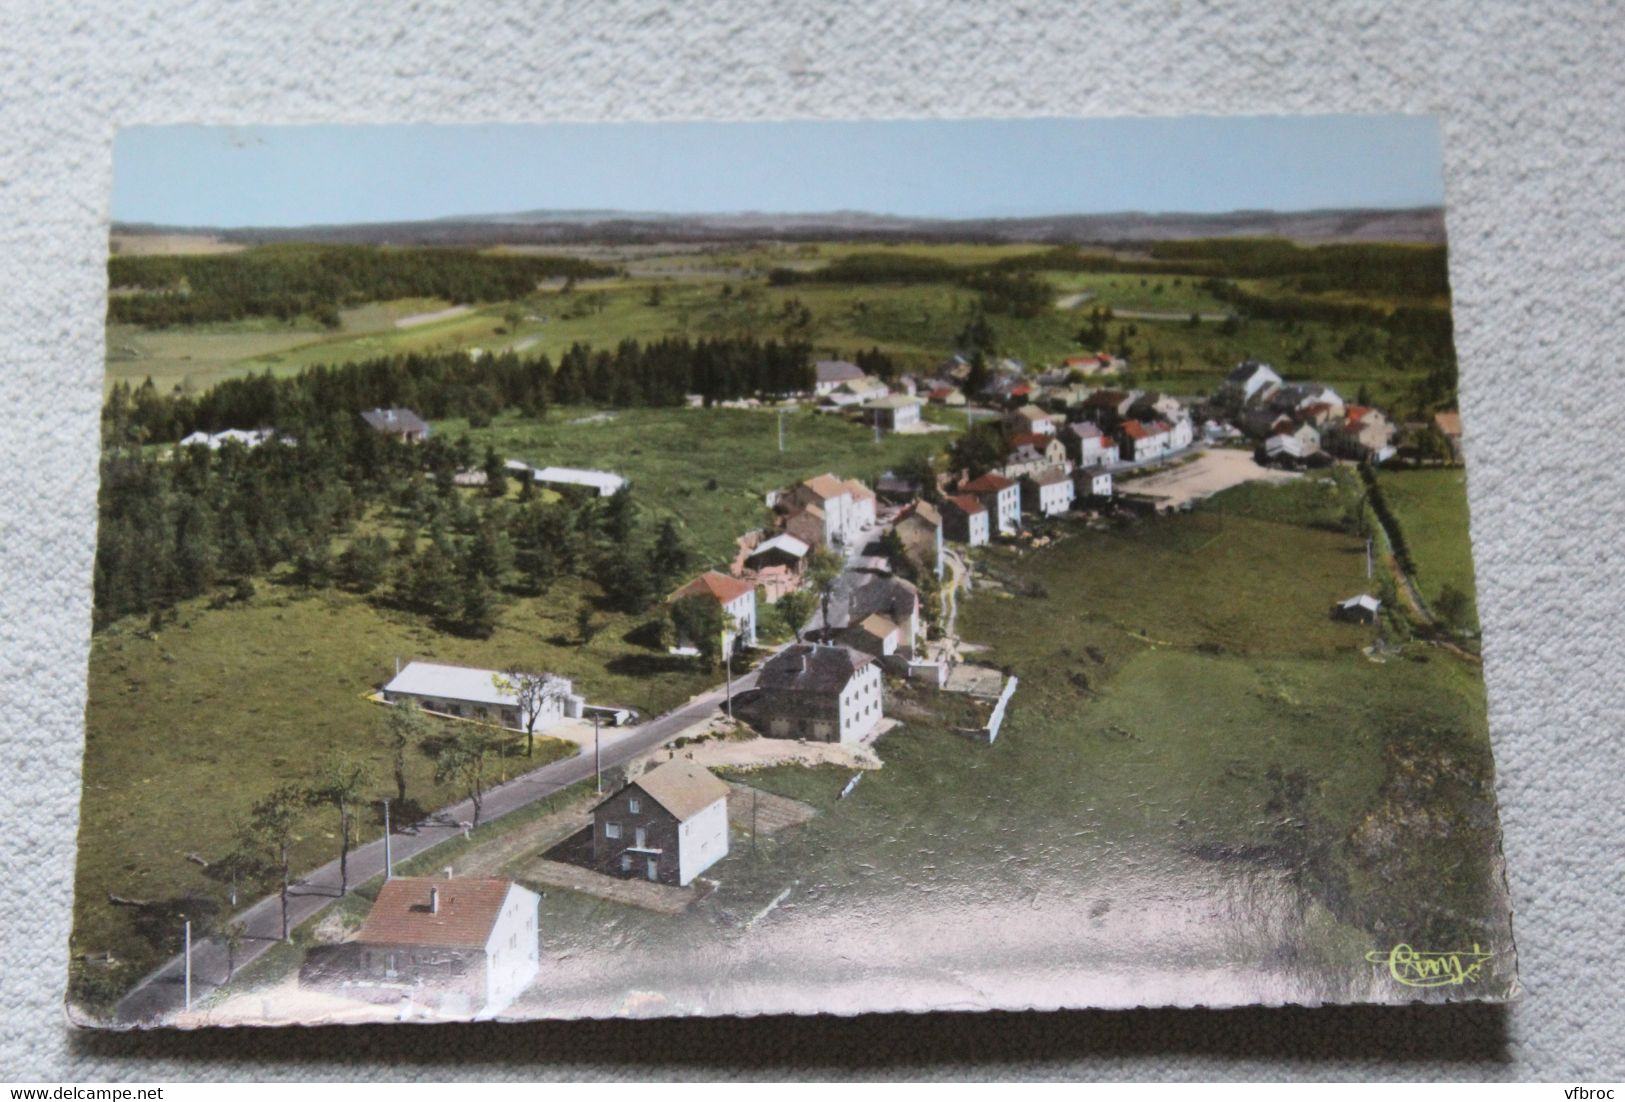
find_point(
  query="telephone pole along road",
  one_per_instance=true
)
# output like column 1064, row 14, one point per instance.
column 163, row 992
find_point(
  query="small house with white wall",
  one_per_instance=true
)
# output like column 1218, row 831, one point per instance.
column 820, row 693
column 737, row 600
column 454, row 948
column 486, row 696
column 668, row 825
column 1002, row 498
column 1049, row 492
column 966, row 519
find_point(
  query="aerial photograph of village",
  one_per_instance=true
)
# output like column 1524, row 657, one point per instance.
column 627, row 570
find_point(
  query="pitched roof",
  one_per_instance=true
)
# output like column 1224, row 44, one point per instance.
column 1448, row 422
column 809, row 667
column 925, row 511
column 987, row 484
column 1135, row 431
column 784, row 542
column 826, row 486
column 394, row 419
column 453, row 682
column 858, row 490
column 836, row 371
column 967, row 503
column 1049, row 476
column 463, row 914
column 892, row 596
column 682, row 788
column 1084, row 430
column 720, row 587
column 1033, row 413
column 1039, row 440
column 877, row 625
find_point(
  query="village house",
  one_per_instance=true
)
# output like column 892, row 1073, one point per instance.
column 1091, row 484
column 1033, row 452
column 594, row 483
column 737, row 600
column 1109, row 408
column 1141, row 441
column 487, row 696
column 1248, row 382
column 1448, row 424
column 1363, row 433
column 773, row 564
column 829, row 374
column 1101, row 363
column 455, row 947
column 1049, row 491
column 855, row 392
column 819, row 692
column 1088, row 446
column 215, row 441
column 895, row 489
column 399, row 422
column 966, row 519
column 893, row 414
column 824, row 511
column 1029, row 419
column 669, row 825
column 893, row 599
column 1296, row 398
column 1360, row 609
column 945, row 394
column 1002, row 499
column 920, row 530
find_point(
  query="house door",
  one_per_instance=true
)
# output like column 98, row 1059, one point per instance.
column 652, row 867
column 642, row 841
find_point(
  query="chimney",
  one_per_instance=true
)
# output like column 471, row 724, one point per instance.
column 447, row 871
column 434, row 901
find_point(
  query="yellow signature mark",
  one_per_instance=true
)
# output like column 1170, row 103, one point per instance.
column 1415, row 968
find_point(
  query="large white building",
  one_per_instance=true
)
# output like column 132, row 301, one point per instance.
column 598, row 483
column 737, row 600
column 820, row 693
column 466, row 692
column 826, row 511
column 453, row 948
column 1049, row 491
column 669, row 825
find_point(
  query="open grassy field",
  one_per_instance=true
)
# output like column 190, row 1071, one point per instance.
column 1191, row 775
column 186, row 730
column 1432, row 509
column 1156, row 293
column 709, row 469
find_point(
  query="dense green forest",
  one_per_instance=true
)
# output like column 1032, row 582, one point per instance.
column 293, row 281
column 660, row 373
column 178, row 525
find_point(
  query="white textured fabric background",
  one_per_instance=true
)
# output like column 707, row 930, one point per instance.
column 1531, row 97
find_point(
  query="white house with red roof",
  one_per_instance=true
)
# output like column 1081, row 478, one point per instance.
column 1088, row 444
column 1140, row 441
column 965, row 518
column 737, row 600
column 454, row 948
column 1364, row 431
column 1001, row 497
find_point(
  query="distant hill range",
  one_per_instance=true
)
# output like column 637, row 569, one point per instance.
column 1423, row 225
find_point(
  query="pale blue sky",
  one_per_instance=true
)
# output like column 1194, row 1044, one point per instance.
column 302, row 175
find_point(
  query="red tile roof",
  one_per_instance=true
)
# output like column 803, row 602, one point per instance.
column 465, row 912
column 712, row 584
column 987, row 484
column 1039, row 440
column 966, row 503
column 1134, row 430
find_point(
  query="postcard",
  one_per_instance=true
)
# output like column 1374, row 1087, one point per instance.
column 562, row 571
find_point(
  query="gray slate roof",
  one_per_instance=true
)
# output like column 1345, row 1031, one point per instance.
column 811, row 668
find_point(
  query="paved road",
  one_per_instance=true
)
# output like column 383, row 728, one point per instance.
column 163, row 991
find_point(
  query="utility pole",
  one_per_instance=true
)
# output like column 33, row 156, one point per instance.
column 781, row 430
column 188, row 964
column 1368, row 556
column 728, row 674
column 753, row 795
column 389, row 864
column 597, row 768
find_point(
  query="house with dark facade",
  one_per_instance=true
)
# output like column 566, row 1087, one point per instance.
column 668, row 825
column 452, row 947
column 1001, row 497
column 818, row 692
column 868, row 609
column 399, row 422
column 920, row 531
column 966, row 519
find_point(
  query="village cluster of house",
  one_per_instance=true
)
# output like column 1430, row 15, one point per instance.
column 1299, row 424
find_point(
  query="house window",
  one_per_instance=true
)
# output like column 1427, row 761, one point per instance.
column 612, row 830
column 634, row 805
